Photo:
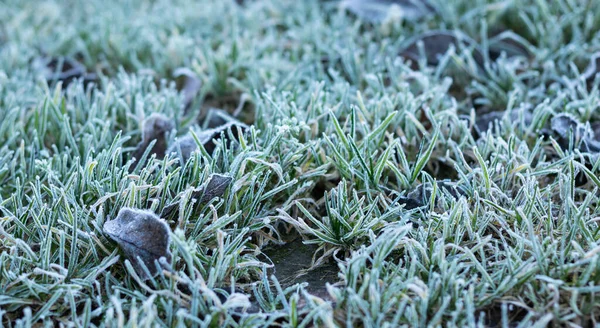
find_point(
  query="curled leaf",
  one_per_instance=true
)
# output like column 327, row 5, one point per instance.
column 142, row 236
column 377, row 11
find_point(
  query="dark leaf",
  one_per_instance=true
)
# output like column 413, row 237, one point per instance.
column 141, row 234
column 217, row 117
column 63, row 69
column 154, row 127
column 216, row 186
column 437, row 43
column 509, row 43
column 186, row 145
column 377, row 11
column 563, row 126
column 596, row 130
column 486, row 121
column 191, row 85
column 423, row 191
column 213, row 188
column 409, row 203
column 593, row 68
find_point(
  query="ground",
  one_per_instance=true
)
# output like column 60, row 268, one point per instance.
column 299, row 163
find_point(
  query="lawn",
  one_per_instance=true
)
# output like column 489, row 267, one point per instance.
column 299, row 163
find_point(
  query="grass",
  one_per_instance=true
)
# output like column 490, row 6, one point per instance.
column 342, row 131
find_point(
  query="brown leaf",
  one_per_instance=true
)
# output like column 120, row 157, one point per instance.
column 214, row 187
column 154, row 127
column 191, row 85
column 593, row 68
column 63, row 69
column 142, row 236
column 377, row 11
column 186, row 145
column 437, row 43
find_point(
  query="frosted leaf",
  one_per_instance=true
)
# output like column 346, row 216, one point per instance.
column 191, row 84
column 593, row 68
column 213, row 188
column 437, row 43
column 186, row 145
column 377, row 11
column 142, row 236
column 154, row 127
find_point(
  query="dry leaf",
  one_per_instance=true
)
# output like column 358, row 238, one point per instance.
column 593, row 68
column 509, row 43
column 377, row 11
column 154, row 127
column 214, row 187
column 63, row 69
column 437, row 43
column 141, row 234
column 186, row 145
column 191, row 85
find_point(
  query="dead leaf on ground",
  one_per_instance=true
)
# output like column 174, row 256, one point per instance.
column 511, row 44
column 63, row 69
column 565, row 125
column 213, row 188
column 155, row 127
column 187, row 145
column 377, row 11
column 592, row 69
column 191, row 85
column 141, row 234
column 437, row 43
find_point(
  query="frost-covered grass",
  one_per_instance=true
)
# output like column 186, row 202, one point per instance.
column 342, row 130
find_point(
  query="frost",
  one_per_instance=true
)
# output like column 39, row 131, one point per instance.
column 154, row 127
column 142, row 236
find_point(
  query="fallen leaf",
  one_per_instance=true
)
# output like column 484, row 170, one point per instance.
column 564, row 125
column 191, row 85
column 63, row 69
column 186, row 145
column 592, row 69
column 217, row 117
column 409, row 203
column 377, row 11
column 141, row 234
column 437, row 43
column 213, row 188
column 421, row 195
column 511, row 44
column 486, row 121
column 216, row 186
column 154, row 127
